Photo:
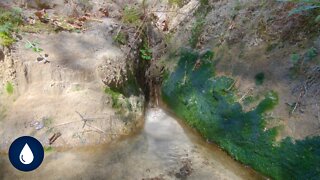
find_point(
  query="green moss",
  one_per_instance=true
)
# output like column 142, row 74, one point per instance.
column 9, row 88
column 207, row 103
column 114, row 96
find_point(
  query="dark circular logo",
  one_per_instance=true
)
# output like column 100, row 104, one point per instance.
column 26, row 153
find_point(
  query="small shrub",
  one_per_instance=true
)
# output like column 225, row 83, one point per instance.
column 121, row 38
column 310, row 54
column 131, row 15
column 305, row 6
column 146, row 53
column 301, row 61
column 9, row 21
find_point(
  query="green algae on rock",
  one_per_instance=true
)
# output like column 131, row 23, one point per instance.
column 207, row 103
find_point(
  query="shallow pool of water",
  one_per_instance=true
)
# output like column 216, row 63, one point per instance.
column 164, row 149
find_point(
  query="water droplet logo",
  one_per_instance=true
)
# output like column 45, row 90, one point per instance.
column 26, row 153
column 26, row 156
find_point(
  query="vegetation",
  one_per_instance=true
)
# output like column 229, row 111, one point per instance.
column 48, row 149
column 196, row 31
column 301, row 61
column 131, row 15
column 34, row 46
column 9, row 21
column 145, row 52
column 38, row 27
column 121, row 38
column 207, row 103
column 114, row 96
column 198, row 25
column 9, row 88
column 305, row 6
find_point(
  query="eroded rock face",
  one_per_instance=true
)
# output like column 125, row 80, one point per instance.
column 113, row 72
column 6, row 67
column 66, row 95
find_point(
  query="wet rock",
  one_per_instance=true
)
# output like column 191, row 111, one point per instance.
column 185, row 170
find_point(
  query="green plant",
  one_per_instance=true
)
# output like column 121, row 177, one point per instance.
column 145, row 53
column 120, row 38
column 34, row 46
column 196, row 31
column 9, row 88
column 48, row 149
column 299, row 62
column 310, row 54
column 9, row 21
column 304, row 6
column 295, row 58
column 114, row 96
column 131, row 15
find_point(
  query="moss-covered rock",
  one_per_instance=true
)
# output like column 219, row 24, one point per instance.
column 207, row 103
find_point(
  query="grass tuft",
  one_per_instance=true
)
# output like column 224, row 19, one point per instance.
column 9, row 88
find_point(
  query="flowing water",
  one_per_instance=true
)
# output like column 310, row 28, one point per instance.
column 164, row 149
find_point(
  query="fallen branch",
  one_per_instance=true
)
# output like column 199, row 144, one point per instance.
column 53, row 138
column 297, row 103
column 245, row 94
column 62, row 124
column 232, row 85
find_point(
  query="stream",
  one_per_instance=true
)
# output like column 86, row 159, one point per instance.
column 163, row 149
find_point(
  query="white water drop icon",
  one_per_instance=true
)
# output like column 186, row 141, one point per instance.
column 26, row 155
